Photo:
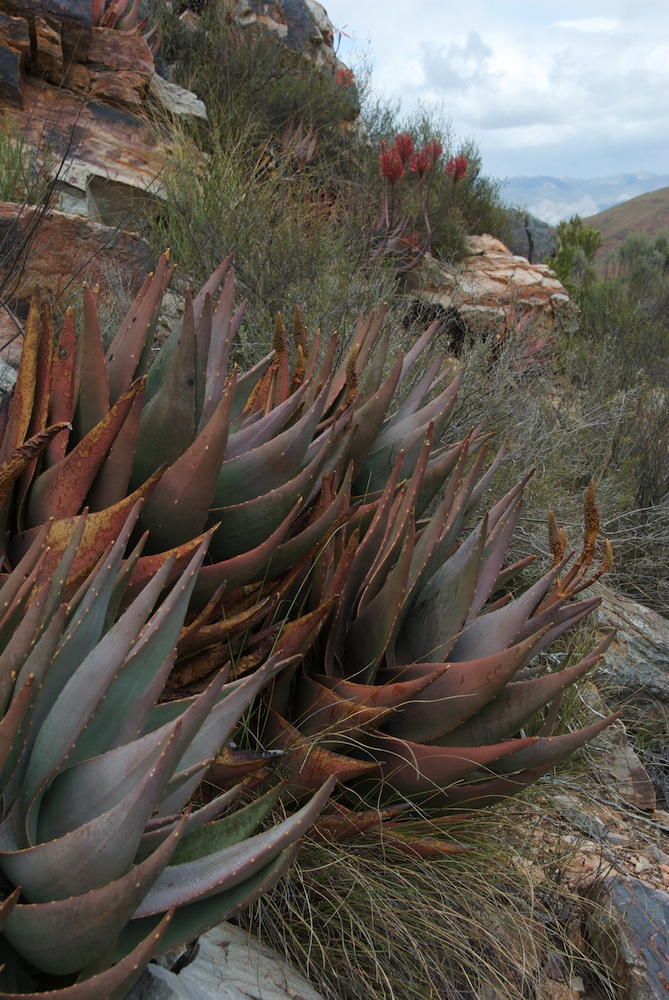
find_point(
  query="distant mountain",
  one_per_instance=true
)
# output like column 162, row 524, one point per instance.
column 649, row 213
column 555, row 198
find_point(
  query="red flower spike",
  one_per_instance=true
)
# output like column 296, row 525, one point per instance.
column 420, row 163
column 433, row 149
column 390, row 163
column 404, row 146
column 457, row 168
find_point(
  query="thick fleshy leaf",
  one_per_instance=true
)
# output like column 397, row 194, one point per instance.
column 61, row 403
column 270, row 465
column 311, row 763
column 113, row 480
column 455, row 694
column 223, row 869
column 318, row 710
column 552, row 750
column 507, row 712
column 167, row 425
column 114, row 983
column 412, row 768
column 21, row 408
column 91, row 388
column 193, row 919
column 65, row 936
column 92, row 855
column 61, row 490
column 178, row 507
column 244, row 526
column 128, row 353
column 442, row 607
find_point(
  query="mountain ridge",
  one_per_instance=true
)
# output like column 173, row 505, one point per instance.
column 552, row 199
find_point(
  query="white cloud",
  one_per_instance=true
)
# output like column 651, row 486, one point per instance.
column 589, row 24
column 583, row 93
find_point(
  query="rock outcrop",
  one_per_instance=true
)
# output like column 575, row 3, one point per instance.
column 229, row 964
column 491, row 291
column 84, row 97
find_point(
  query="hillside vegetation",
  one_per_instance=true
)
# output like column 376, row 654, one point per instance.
column 648, row 213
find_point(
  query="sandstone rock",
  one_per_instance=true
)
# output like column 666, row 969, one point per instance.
column 618, row 765
column 118, row 69
column 230, row 965
column 494, row 291
column 302, row 25
column 637, row 662
column 66, row 251
column 628, row 931
column 92, row 139
column 175, row 99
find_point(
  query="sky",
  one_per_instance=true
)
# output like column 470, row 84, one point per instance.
column 544, row 88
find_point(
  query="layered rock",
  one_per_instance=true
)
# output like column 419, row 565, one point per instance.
column 493, row 291
column 84, row 97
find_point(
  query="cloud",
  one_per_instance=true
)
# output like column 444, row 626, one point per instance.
column 589, row 24
column 456, row 67
column 538, row 79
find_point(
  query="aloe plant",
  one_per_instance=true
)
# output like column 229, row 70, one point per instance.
column 104, row 862
column 315, row 486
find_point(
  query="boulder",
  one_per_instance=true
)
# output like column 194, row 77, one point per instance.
column 637, row 662
column 493, row 291
column 228, row 964
column 628, row 932
column 85, row 100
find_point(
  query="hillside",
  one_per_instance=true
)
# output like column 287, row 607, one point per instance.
column 649, row 213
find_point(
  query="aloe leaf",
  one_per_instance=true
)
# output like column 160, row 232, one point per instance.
column 244, row 526
column 311, row 764
column 455, row 693
column 368, row 419
column 84, row 628
column 128, row 351
column 71, row 730
column 113, row 480
column 428, row 381
column 91, row 388
column 412, row 768
column 442, row 607
column 246, row 385
column 23, row 457
column 21, row 408
column 11, row 724
column 318, row 710
column 80, row 793
column 139, row 685
column 269, row 465
column 259, row 428
column 94, row 854
column 114, row 983
column 519, row 700
column 496, row 548
column 167, row 424
column 499, row 629
column 155, row 835
column 61, row 402
column 193, row 919
column 61, row 490
column 178, row 507
column 221, row 720
column 552, row 750
column 289, row 552
column 226, row 832
column 223, row 869
column 370, row 632
column 395, row 692
column 64, row 936
column 421, row 344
